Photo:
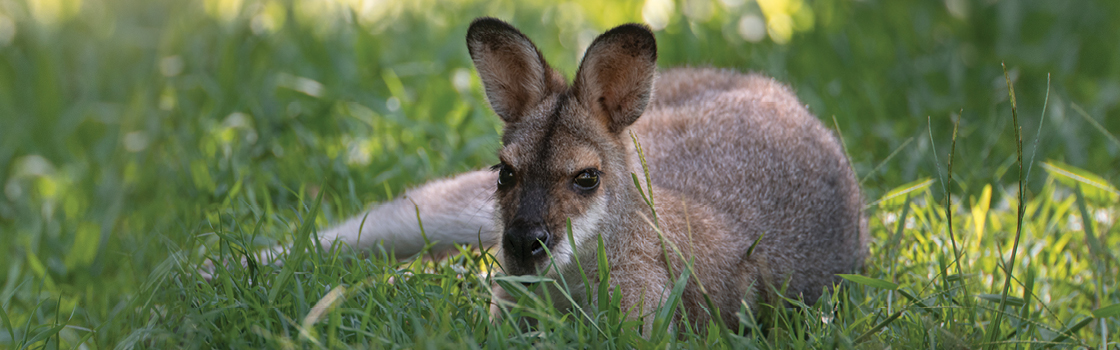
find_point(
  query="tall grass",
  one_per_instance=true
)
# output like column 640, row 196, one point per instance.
column 140, row 137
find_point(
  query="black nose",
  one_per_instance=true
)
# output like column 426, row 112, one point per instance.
column 524, row 242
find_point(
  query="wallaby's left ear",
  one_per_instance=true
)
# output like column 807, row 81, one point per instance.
column 616, row 75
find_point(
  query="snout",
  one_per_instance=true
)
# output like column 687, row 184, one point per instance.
column 525, row 243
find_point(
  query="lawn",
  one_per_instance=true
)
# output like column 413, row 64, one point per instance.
column 140, row 137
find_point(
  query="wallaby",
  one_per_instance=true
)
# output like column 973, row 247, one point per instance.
column 732, row 157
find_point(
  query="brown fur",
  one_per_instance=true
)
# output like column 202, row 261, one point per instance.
column 731, row 157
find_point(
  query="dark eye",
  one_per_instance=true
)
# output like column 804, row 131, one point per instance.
column 505, row 176
column 587, row 180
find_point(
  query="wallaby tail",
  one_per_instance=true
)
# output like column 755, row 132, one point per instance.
column 445, row 213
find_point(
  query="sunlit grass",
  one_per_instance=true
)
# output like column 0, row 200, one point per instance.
column 139, row 137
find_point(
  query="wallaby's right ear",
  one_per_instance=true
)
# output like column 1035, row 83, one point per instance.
column 514, row 73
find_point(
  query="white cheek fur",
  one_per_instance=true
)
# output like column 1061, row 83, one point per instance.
column 584, row 229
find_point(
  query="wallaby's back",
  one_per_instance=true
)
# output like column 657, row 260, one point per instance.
column 744, row 145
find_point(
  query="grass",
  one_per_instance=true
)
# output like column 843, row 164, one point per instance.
column 141, row 136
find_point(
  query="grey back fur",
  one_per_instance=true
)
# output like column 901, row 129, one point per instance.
column 744, row 145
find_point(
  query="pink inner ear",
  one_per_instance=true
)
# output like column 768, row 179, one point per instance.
column 617, row 74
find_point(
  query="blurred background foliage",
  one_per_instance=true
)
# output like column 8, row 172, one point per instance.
column 133, row 129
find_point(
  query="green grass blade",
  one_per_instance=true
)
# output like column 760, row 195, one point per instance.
column 891, row 246
column 922, row 305
column 297, row 252
column 949, row 202
column 8, row 325
column 41, row 336
column 1096, row 248
column 1041, row 122
column 867, row 335
column 998, row 299
column 870, row 282
column 666, row 311
column 753, row 245
column 1096, row 124
column 901, row 192
column 1107, row 311
column 885, row 160
column 993, row 330
column 1096, row 187
column 1068, row 332
column 604, row 275
column 1025, row 310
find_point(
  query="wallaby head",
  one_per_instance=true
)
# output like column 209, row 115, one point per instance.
column 564, row 146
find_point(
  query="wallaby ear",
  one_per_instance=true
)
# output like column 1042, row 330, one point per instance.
column 513, row 71
column 616, row 75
